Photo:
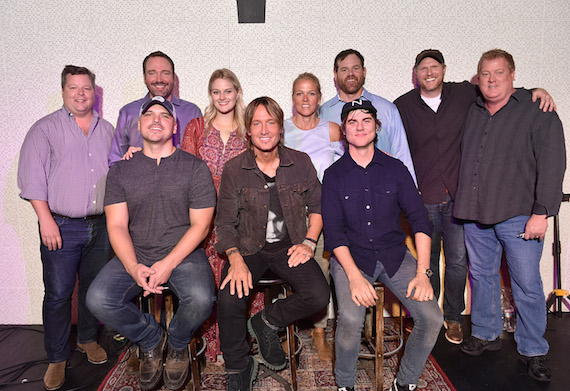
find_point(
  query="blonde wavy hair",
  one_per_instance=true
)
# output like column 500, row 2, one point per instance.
column 239, row 110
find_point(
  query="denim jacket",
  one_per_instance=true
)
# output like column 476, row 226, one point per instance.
column 243, row 204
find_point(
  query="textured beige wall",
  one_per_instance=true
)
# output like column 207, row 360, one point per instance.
column 112, row 37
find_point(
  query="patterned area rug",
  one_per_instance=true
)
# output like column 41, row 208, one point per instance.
column 312, row 374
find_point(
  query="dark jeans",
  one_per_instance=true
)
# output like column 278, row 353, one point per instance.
column 86, row 249
column 310, row 294
column 445, row 225
column 191, row 281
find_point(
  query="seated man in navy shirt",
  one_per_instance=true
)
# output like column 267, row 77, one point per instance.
column 364, row 193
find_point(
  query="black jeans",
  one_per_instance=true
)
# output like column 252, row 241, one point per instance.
column 310, row 295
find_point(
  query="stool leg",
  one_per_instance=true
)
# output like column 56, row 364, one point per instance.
column 292, row 348
column 379, row 361
column 292, row 357
column 168, row 309
column 195, row 365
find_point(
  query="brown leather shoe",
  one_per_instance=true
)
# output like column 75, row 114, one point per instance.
column 132, row 366
column 320, row 342
column 95, row 353
column 150, row 367
column 55, row 375
column 454, row 333
column 176, row 367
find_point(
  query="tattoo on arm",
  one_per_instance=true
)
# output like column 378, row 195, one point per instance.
column 232, row 251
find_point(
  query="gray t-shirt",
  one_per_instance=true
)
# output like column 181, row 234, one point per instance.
column 159, row 199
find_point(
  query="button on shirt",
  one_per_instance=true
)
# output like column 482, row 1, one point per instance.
column 361, row 209
column 512, row 162
column 62, row 166
column 391, row 137
column 128, row 134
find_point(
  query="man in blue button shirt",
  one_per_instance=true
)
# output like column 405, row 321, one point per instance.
column 364, row 193
column 349, row 76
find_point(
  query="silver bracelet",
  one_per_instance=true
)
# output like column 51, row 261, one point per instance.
column 311, row 245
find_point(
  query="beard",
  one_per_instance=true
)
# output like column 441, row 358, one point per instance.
column 351, row 87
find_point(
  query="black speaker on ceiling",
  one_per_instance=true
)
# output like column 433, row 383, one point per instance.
column 251, row 11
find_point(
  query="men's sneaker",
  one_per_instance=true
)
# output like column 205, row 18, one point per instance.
column 475, row 346
column 95, row 353
column 398, row 387
column 454, row 333
column 271, row 351
column 150, row 368
column 243, row 381
column 537, row 368
column 176, row 367
column 345, row 389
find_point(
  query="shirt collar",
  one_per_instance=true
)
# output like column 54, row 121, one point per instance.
column 176, row 101
column 71, row 115
column 285, row 159
column 347, row 163
column 365, row 94
column 516, row 96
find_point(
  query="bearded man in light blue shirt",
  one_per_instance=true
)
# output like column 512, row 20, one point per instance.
column 349, row 76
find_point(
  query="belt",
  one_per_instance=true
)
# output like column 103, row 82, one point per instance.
column 90, row 217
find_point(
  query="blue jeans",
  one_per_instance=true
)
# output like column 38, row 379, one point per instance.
column 86, row 249
column 350, row 322
column 110, row 299
column 445, row 225
column 485, row 245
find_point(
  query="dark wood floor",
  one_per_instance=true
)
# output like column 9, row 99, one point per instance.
column 22, row 362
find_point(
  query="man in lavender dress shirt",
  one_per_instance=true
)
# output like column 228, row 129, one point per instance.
column 62, row 171
column 158, row 71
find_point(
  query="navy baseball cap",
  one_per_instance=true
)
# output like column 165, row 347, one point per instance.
column 158, row 100
column 359, row 104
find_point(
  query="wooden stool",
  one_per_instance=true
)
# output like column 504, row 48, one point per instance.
column 267, row 282
column 151, row 305
column 374, row 338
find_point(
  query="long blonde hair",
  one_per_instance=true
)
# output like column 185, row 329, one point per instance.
column 239, row 110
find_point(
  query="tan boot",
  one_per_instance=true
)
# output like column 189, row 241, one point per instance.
column 133, row 361
column 320, row 342
column 95, row 353
column 55, row 375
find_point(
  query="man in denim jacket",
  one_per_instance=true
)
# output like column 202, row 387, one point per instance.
column 265, row 195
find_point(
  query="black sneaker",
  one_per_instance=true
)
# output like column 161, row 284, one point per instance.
column 475, row 346
column 537, row 368
column 270, row 349
column 150, row 369
column 243, row 381
column 398, row 387
column 176, row 367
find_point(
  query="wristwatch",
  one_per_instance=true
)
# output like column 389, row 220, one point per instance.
column 427, row 272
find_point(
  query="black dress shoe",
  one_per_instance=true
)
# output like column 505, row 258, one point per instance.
column 537, row 368
column 475, row 346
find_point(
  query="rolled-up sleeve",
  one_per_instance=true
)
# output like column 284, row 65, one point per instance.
column 34, row 165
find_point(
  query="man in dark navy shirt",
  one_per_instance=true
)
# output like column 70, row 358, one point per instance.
column 364, row 193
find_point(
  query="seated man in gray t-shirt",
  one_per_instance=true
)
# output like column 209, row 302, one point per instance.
column 159, row 207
